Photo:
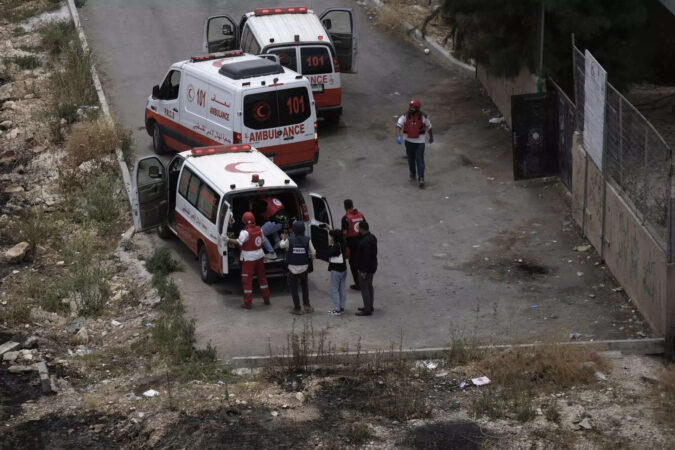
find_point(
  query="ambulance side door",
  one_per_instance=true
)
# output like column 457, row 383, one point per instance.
column 339, row 24
column 221, row 34
column 224, row 219
column 320, row 225
column 149, row 200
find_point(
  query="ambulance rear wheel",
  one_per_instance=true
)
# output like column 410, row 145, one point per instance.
column 332, row 117
column 208, row 275
column 158, row 140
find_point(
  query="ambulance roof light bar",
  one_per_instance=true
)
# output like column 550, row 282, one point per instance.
column 272, row 11
column 219, row 55
column 220, row 149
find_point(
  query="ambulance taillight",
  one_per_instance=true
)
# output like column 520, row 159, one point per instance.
column 236, row 139
column 305, row 212
column 316, row 131
column 336, row 64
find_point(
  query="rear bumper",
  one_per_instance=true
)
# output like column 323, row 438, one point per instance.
column 302, row 168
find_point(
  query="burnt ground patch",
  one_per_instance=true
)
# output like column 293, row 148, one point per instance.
column 253, row 428
column 15, row 389
column 446, row 435
column 506, row 269
column 57, row 432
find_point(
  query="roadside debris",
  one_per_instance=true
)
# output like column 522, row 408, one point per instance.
column 8, row 347
column 150, row 393
column 480, row 381
column 575, row 335
column 496, row 120
column 582, row 248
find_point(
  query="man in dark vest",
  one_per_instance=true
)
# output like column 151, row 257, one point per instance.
column 251, row 257
column 367, row 268
column 350, row 231
column 299, row 252
column 414, row 124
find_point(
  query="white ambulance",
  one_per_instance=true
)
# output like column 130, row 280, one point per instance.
column 203, row 193
column 319, row 47
column 234, row 98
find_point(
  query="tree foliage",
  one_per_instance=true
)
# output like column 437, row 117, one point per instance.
column 503, row 35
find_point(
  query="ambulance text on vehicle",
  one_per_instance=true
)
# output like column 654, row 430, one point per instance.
column 235, row 98
column 319, row 47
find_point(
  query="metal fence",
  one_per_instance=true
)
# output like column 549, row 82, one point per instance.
column 636, row 159
column 566, row 125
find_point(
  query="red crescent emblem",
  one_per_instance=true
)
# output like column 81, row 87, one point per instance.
column 232, row 167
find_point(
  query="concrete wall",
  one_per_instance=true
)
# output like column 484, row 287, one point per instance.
column 501, row 89
column 632, row 255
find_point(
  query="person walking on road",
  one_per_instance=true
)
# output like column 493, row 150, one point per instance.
column 350, row 231
column 251, row 241
column 412, row 127
column 367, row 268
column 299, row 254
column 337, row 266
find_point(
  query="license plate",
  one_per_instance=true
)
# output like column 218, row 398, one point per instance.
column 317, row 88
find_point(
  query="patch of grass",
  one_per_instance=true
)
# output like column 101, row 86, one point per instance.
column 35, row 227
column 389, row 20
column 80, row 3
column 552, row 413
column 27, row 62
column 128, row 245
column 57, row 36
column 20, row 10
column 19, row 31
column 161, row 262
column 358, row 434
column 73, row 86
column 48, row 292
column 91, row 140
column 90, row 283
column 18, row 313
column 462, row 351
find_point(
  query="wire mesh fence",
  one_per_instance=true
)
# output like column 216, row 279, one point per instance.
column 636, row 159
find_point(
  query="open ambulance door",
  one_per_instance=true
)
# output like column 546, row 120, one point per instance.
column 149, row 193
column 321, row 224
column 339, row 24
column 224, row 219
column 221, row 34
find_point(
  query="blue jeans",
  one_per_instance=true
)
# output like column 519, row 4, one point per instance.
column 415, row 154
column 270, row 229
column 338, row 292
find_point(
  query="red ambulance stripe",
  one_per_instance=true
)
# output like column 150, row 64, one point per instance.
column 195, row 236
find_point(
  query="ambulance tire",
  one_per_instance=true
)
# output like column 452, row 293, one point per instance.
column 163, row 230
column 158, row 140
column 208, row 275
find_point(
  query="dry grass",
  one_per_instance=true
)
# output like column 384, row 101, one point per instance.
column 388, row 19
column 20, row 10
column 92, row 141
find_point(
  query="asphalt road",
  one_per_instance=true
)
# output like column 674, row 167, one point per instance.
column 474, row 254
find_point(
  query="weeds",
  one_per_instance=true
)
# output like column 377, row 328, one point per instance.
column 72, row 86
column 161, row 262
column 34, row 228
column 49, row 293
column 27, row 62
column 462, row 351
column 552, row 413
column 18, row 314
column 57, row 36
column 358, row 434
column 91, row 140
column 90, row 283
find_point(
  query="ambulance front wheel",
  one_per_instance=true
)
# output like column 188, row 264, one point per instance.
column 158, row 140
column 208, row 275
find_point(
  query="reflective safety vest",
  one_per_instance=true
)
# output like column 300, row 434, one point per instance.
column 274, row 205
column 353, row 219
column 255, row 238
column 414, row 124
column 298, row 251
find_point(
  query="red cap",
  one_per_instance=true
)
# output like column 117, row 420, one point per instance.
column 416, row 103
column 248, row 217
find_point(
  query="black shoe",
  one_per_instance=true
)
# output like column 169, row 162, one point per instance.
column 364, row 313
column 421, row 183
column 355, row 287
column 363, row 309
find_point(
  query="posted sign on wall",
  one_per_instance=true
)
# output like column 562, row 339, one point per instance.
column 595, row 81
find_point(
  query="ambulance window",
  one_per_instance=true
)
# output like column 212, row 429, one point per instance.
column 171, row 85
column 221, row 217
column 260, row 110
column 294, row 106
column 287, row 57
column 184, row 182
column 207, row 203
column 193, row 190
column 246, row 36
column 315, row 60
column 254, row 46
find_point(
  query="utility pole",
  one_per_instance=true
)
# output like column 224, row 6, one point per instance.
column 540, row 68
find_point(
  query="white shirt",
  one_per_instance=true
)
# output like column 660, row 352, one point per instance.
column 248, row 255
column 298, row 269
column 421, row 138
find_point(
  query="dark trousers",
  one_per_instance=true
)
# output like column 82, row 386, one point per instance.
column 367, row 292
column 415, row 154
column 293, row 281
column 353, row 244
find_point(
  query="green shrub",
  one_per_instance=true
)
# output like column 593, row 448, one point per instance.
column 161, row 262
column 57, row 36
column 73, row 86
column 28, row 62
column 90, row 283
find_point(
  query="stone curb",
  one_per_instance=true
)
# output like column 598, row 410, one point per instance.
column 650, row 346
column 433, row 46
column 99, row 92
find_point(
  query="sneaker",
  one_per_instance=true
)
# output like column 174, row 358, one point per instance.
column 270, row 256
column 308, row 309
column 266, row 301
column 335, row 312
column 245, row 306
column 421, row 183
column 363, row 309
column 354, row 287
column 296, row 311
column 364, row 313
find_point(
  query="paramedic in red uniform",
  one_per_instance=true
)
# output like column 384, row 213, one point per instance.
column 350, row 231
column 251, row 242
column 414, row 124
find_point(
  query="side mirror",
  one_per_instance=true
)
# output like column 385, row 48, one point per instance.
column 327, row 24
column 227, row 30
column 155, row 91
column 153, row 172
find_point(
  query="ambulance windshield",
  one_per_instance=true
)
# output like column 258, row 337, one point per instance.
column 273, row 109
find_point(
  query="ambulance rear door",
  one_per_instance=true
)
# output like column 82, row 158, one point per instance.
column 320, row 225
column 224, row 219
column 221, row 34
column 149, row 193
column 339, row 24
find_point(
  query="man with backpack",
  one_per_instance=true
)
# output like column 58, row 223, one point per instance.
column 412, row 127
